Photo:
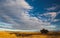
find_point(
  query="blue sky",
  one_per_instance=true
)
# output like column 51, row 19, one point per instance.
column 46, row 6
column 30, row 14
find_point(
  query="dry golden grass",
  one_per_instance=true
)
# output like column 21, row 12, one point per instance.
column 4, row 34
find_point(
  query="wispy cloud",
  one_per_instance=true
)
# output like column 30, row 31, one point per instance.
column 5, row 25
column 51, row 8
column 49, row 16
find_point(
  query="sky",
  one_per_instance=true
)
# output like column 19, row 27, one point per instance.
column 30, row 14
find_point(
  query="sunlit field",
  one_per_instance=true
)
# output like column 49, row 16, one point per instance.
column 4, row 34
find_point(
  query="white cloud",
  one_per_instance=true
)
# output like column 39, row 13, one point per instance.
column 5, row 25
column 16, row 13
column 50, row 28
column 51, row 8
column 55, row 20
column 50, row 16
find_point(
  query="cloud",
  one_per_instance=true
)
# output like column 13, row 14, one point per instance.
column 16, row 13
column 13, row 11
column 49, row 16
column 54, row 12
column 5, row 25
column 51, row 8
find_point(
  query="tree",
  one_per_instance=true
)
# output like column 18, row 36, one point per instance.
column 44, row 31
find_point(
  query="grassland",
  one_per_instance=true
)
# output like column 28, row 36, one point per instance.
column 4, row 34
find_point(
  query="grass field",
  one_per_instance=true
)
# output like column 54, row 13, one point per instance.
column 4, row 34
